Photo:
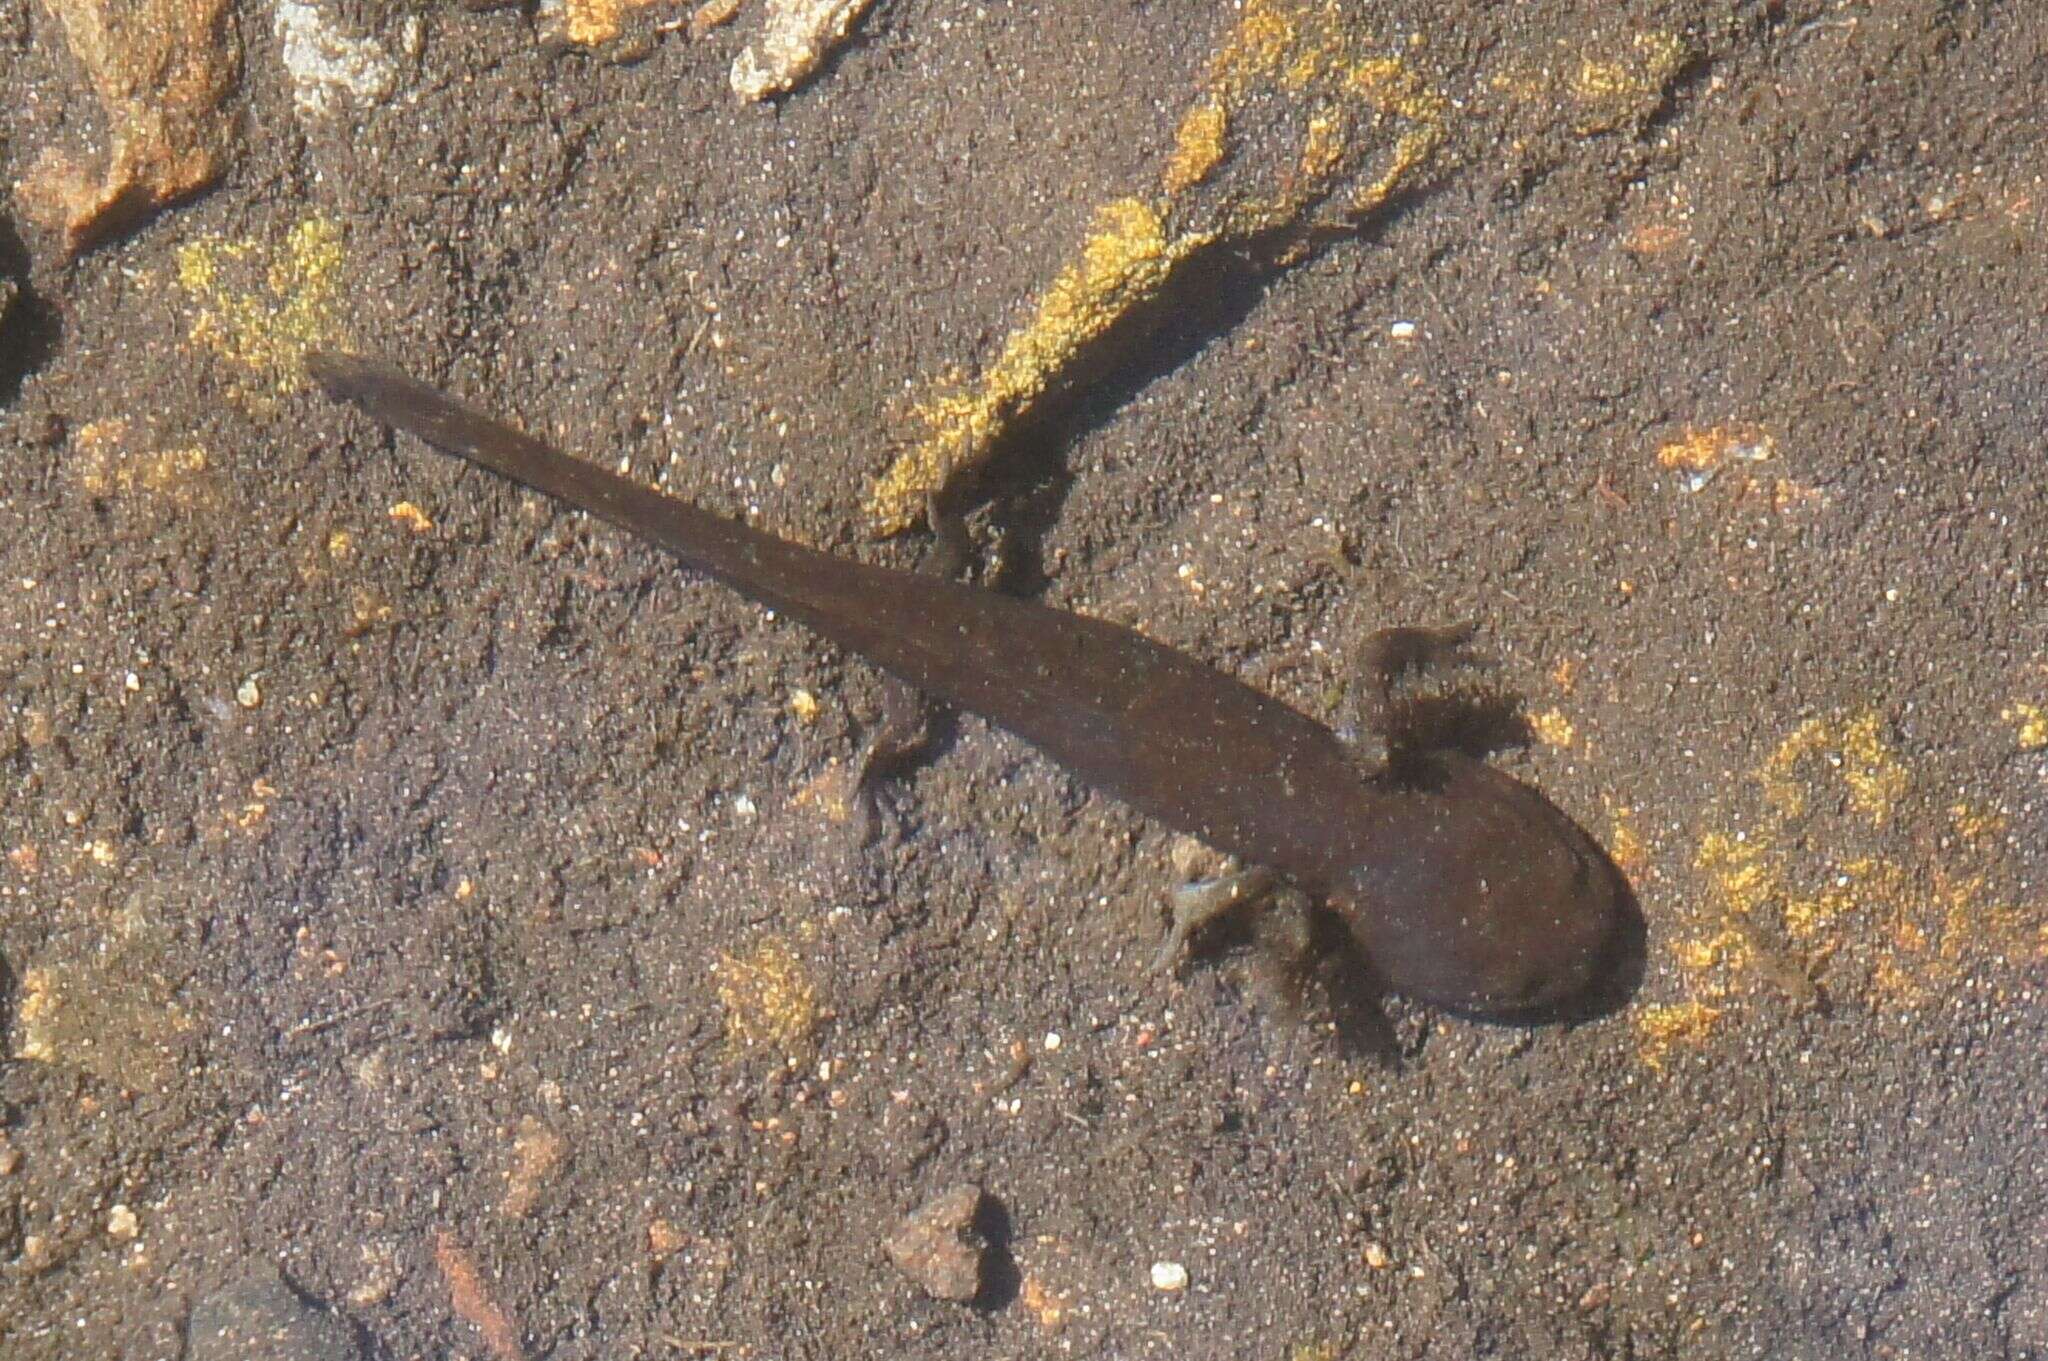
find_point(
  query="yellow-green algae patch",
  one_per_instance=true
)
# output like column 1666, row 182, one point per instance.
column 1811, row 896
column 1301, row 124
column 261, row 306
column 768, row 997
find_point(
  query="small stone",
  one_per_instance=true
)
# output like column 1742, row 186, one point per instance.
column 122, row 1223
column 260, row 1318
column 936, row 1246
column 1376, row 1257
column 249, row 694
column 324, row 60
column 796, row 37
column 36, row 1255
column 1170, row 1277
column 711, row 14
column 664, row 1239
column 381, row 1270
column 537, row 1153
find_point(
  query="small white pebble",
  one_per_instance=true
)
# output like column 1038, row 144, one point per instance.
column 1376, row 1257
column 1171, row 1277
column 121, row 1223
column 1402, row 330
column 248, row 694
column 1052, row 1040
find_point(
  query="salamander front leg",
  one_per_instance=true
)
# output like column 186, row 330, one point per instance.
column 1388, row 657
column 905, row 727
column 1405, row 719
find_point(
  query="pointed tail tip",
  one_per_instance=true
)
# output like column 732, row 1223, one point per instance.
column 339, row 374
column 356, row 378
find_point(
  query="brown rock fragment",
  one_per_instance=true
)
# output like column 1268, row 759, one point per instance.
column 161, row 69
column 936, row 1245
column 473, row 1300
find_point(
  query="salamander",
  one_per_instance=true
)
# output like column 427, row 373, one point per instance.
column 1461, row 885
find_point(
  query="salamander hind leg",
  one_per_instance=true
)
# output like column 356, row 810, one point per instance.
column 1197, row 904
column 1304, row 966
column 902, row 733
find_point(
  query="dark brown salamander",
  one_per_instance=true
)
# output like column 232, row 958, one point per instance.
column 1463, row 886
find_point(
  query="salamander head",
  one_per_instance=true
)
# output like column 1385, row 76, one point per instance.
column 1477, row 894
